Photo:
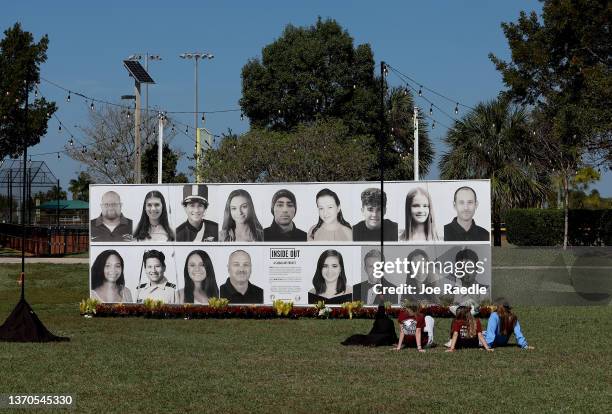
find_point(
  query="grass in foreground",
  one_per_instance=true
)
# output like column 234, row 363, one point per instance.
column 116, row 365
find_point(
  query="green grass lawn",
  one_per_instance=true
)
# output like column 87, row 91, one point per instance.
column 136, row 364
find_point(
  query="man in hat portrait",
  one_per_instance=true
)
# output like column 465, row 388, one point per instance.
column 196, row 228
column 283, row 228
column 158, row 287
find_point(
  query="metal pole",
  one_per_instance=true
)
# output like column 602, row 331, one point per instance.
column 160, row 146
column 58, row 204
column 147, row 91
column 196, row 120
column 25, row 158
column 137, row 133
column 416, row 143
column 29, row 196
column 381, row 140
column 9, row 184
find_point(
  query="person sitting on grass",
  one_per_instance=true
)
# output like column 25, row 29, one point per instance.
column 416, row 329
column 466, row 331
column 382, row 332
column 502, row 324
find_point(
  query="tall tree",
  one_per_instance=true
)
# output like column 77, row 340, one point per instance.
column 20, row 60
column 316, row 73
column 311, row 72
column 494, row 141
column 110, row 145
column 561, row 64
column 79, row 187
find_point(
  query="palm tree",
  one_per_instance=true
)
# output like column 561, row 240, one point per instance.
column 80, row 187
column 493, row 141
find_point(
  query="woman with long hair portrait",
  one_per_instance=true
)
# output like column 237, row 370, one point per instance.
column 329, row 281
column 239, row 219
column 200, row 281
column 420, row 223
column 107, row 280
column 153, row 224
column 331, row 225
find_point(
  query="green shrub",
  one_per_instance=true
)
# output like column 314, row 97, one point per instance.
column 544, row 227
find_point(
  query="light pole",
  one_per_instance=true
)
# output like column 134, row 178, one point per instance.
column 147, row 57
column 140, row 76
column 196, row 56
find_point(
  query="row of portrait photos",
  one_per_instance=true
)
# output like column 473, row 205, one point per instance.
column 414, row 212
column 305, row 274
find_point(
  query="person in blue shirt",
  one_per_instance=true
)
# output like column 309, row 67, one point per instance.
column 502, row 324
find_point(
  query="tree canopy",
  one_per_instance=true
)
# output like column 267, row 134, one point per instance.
column 322, row 151
column 561, row 64
column 311, row 72
column 109, row 138
column 315, row 79
column 20, row 60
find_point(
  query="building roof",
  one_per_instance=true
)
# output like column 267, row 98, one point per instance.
column 64, row 205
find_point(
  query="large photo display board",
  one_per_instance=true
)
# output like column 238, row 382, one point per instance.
column 303, row 242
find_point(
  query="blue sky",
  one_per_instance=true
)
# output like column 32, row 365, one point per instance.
column 443, row 45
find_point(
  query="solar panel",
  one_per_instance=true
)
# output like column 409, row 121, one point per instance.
column 137, row 71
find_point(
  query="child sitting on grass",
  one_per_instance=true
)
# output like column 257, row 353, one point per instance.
column 502, row 324
column 466, row 331
column 415, row 329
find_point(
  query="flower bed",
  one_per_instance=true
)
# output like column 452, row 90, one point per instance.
column 162, row 311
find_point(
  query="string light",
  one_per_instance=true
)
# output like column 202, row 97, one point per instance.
column 68, row 97
column 421, row 90
column 241, row 116
column 433, row 124
column 58, row 155
column 71, row 142
column 431, row 110
column 59, row 128
column 456, row 108
column 414, row 81
column 91, row 106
